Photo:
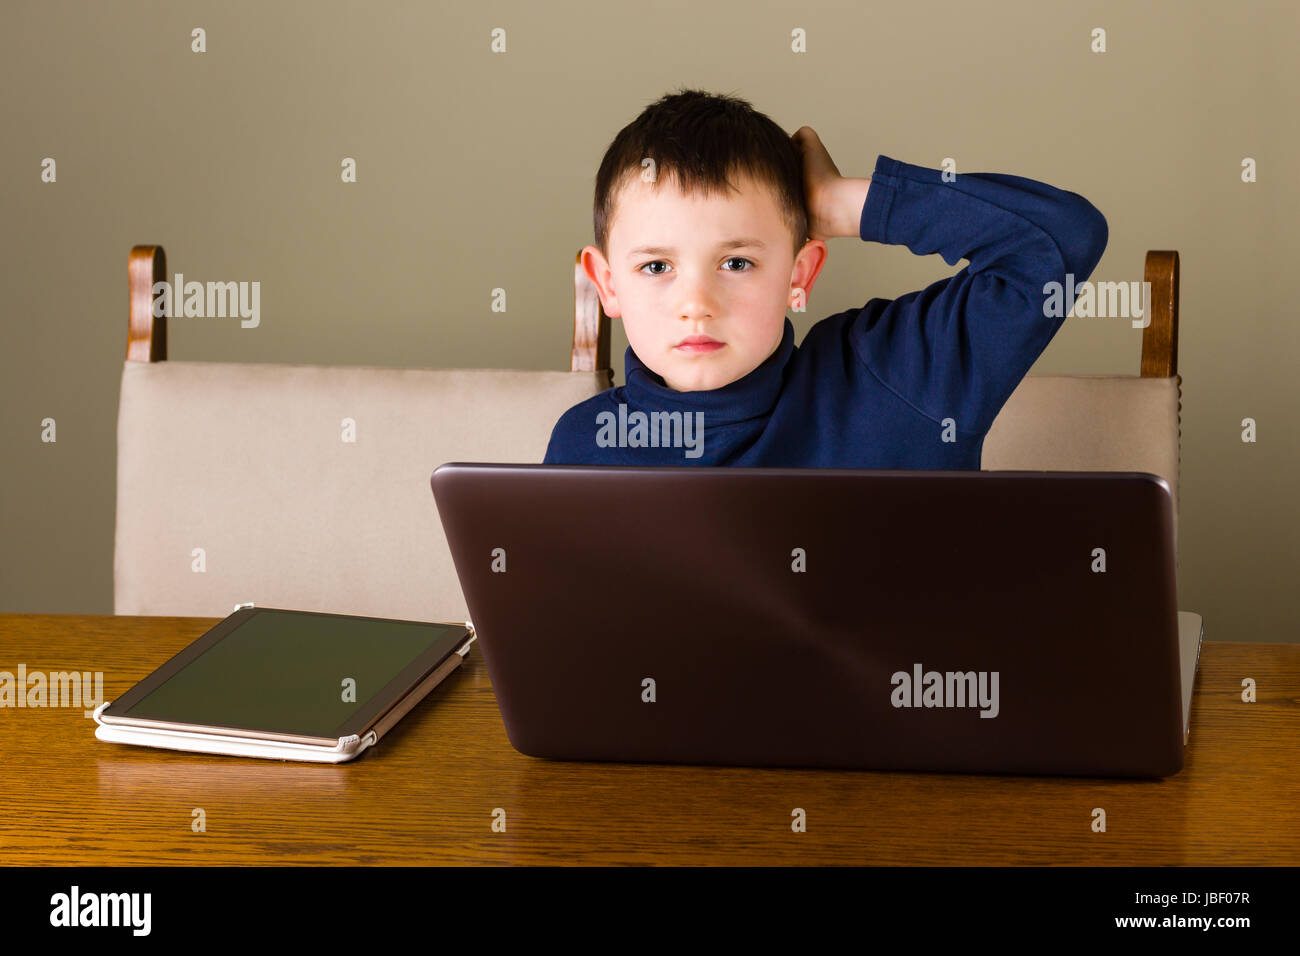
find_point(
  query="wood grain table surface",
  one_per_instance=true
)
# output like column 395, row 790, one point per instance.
column 427, row 792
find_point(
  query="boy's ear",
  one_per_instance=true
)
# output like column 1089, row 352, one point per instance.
column 808, row 265
column 598, row 271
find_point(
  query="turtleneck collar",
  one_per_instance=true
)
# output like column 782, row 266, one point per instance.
column 752, row 396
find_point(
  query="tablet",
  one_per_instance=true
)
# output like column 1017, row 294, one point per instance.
column 288, row 685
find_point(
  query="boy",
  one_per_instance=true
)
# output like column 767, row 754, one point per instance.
column 713, row 374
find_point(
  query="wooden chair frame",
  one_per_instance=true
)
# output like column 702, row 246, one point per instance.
column 1160, row 337
column 147, row 336
column 146, row 339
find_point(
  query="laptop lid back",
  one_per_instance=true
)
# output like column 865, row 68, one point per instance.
column 1001, row 622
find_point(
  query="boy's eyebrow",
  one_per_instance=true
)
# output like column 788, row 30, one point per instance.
column 745, row 242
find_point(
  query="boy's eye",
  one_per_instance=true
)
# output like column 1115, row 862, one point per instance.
column 660, row 262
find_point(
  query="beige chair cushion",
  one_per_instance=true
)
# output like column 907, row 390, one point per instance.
column 248, row 462
column 1090, row 423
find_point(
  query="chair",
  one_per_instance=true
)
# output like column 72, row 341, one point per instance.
column 238, row 482
column 1104, row 422
column 235, row 482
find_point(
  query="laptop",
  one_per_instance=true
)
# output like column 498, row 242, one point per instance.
column 1008, row 622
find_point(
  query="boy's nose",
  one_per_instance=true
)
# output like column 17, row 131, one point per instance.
column 698, row 303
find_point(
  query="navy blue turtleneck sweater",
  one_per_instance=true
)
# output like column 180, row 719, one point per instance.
column 911, row 383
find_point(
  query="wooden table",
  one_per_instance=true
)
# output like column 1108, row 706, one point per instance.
column 426, row 793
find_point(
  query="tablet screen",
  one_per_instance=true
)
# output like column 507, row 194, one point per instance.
column 288, row 672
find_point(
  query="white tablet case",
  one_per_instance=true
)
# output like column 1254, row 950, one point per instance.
column 347, row 748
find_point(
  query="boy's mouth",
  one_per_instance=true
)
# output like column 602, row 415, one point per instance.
column 698, row 343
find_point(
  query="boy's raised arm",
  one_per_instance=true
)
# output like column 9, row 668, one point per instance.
column 959, row 347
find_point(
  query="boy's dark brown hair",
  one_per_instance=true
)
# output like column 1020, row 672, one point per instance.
column 701, row 140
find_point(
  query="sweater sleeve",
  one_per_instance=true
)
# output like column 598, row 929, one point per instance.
column 959, row 347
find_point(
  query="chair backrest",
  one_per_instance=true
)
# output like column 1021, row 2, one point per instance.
column 1103, row 422
column 308, row 486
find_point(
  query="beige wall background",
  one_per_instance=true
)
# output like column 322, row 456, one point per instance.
column 475, row 171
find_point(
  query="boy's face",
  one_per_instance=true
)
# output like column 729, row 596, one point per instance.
column 702, row 283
